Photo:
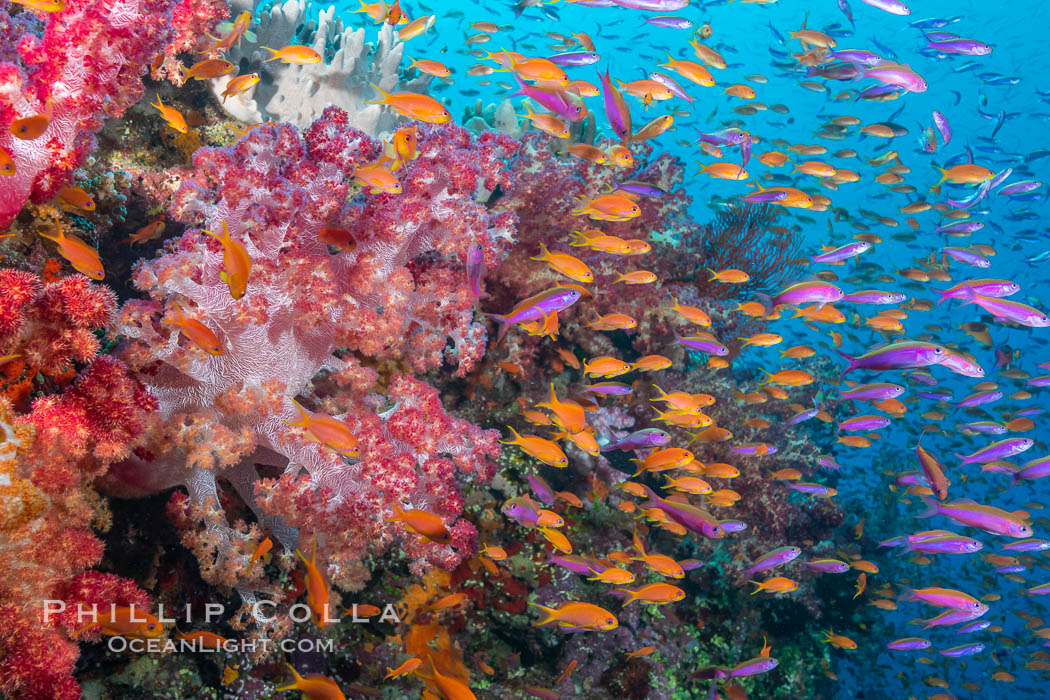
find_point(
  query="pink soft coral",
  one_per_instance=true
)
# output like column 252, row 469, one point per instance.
column 312, row 319
column 81, row 65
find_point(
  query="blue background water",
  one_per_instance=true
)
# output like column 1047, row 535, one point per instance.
column 743, row 35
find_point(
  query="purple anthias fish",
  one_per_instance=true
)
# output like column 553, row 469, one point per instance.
column 879, row 391
column 967, row 257
column 961, row 228
column 609, row 388
column 949, row 617
column 553, row 100
column 640, row 440
column 643, row 189
column 475, row 269
column 935, row 542
column 765, row 196
column 670, row 22
column 943, row 127
column 977, row 626
column 987, row 518
column 905, row 354
column 996, row 451
column 541, row 488
column 944, row 598
column 894, row 7
column 584, row 566
column 1027, row 546
column 754, row 448
column 875, row 296
column 1038, row 468
column 702, row 344
column 828, row 463
column 1040, row 381
column 726, row 137
column 1023, row 187
column 973, row 199
column 810, row 291
column 574, row 58
column 965, row 47
column 1041, row 589
column 753, row 667
column 922, row 378
column 935, row 395
column 688, row 516
column 828, row 566
column 960, row 364
column 858, row 56
column 984, row 287
column 880, row 92
column 811, row 489
column 890, row 73
column 1005, row 309
column 771, row 560
column 1028, row 412
column 964, row 650
column 861, row 423
column 653, row 5
column 843, row 252
column 985, row 427
column 522, row 510
column 616, row 109
column 802, row 416
column 672, row 85
column 732, row 526
column 909, row 644
column 979, row 398
column 536, row 307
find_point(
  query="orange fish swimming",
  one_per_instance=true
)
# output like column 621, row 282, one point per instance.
column 171, row 115
column 332, row 433
column 236, row 261
column 314, row 686
column 422, row 523
column 201, row 335
column 80, row 255
column 413, row 105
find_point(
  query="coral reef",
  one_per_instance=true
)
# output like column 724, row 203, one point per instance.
column 297, row 94
column 320, row 324
column 49, row 457
column 81, row 66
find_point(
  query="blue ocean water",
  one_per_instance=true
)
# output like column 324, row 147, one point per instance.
column 997, row 106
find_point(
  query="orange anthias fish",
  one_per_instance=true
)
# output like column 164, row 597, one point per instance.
column 148, row 232
column 577, row 616
column 208, row 69
column 265, row 546
column 237, row 263
column 404, row 669
column 201, row 335
column 80, row 255
column 542, row 449
column 171, row 115
column 332, row 433
column 77, row 197
column 125, row 621
column 314, row 686
column 239, row 84
column 32, row 127
column 316, row 590
column 653, row 594
column 378, row 178
column 413, row 105
column 422, row 523
column 43, row 5
column 295, row 53
column 238, row 29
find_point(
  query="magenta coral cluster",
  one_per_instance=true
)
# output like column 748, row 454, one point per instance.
column 82, row 65
column 323, row 324
column 49, row 457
